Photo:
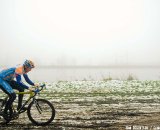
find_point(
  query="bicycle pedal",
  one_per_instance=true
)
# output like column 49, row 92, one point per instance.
column 15, row 116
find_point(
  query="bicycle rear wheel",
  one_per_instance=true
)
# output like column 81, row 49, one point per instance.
column 2, row 105
column 41, row 112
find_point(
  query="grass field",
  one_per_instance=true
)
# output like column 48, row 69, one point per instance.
column 101, row 105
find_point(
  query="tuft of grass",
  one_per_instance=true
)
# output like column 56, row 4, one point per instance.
column 107, row 79
column 130, row 77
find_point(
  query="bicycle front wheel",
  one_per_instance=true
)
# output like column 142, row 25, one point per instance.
column 41, row 112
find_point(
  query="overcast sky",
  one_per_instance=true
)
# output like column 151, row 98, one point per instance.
column 80, row 32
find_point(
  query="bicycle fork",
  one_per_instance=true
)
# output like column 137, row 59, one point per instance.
column 37, row 106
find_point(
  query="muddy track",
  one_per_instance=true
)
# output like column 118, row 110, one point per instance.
column 94, row 111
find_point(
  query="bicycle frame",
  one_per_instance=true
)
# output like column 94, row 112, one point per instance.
column 31, row 95
column 34, row 104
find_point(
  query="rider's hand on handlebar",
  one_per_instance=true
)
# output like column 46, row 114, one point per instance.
column 36, row 85
column 31, row 89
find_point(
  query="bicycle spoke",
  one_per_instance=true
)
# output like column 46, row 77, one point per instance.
column 38, row 108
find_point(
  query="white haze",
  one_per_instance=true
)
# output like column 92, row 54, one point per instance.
column 80, row 32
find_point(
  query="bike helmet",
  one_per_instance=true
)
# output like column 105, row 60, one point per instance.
column 29, row 64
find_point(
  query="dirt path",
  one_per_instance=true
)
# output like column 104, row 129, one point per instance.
column 95, row 111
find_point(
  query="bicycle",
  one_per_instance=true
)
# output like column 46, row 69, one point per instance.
column 40, row 111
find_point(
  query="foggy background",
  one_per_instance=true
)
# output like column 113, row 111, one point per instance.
column 79, row 33
column 101, row 33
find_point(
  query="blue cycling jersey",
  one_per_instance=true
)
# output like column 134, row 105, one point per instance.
column 8, row 74
column 15, row 72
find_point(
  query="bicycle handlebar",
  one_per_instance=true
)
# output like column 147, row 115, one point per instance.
column 37, row 90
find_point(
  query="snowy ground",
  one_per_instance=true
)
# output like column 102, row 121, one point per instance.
column 112, row 104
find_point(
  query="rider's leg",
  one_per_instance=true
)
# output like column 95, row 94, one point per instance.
column 12, row 96
column 16, row 86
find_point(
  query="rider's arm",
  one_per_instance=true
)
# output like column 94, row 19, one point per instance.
column 18, row 78
column 27, row 79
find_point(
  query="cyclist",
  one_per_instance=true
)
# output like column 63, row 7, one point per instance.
column 7, row 83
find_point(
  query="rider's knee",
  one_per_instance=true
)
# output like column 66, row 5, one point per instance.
column 21, row 90
column 13, row 96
